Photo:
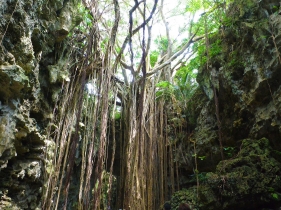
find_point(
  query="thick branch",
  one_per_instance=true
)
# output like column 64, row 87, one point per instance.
column 133, row 33
column 191, row 40
column 126, row 66
column 181, row 61
column 111, row 42
column 169, row 50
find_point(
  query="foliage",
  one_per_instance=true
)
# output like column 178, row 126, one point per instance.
column 215, row 48
column 87, row 18
column 162, row 43
column 275, row 195
column 180, row 91
column 208, row 24
column 164, row 90
column 184, row 196
column 229, row 151
column 184, row 84
column 153, row 57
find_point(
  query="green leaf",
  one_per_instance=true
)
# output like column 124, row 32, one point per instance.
column 153, row 57
column 202, row 157
column 162, row 43
column 117, row 115
column 274, row 195
column 163, row 84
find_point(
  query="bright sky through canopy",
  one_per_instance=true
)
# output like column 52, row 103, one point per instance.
column 173, row 11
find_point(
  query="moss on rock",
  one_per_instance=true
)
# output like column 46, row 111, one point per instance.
column 251, row 180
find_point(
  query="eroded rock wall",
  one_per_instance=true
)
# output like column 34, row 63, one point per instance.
column 249, row 181
column 33, row 65
column 246, row 76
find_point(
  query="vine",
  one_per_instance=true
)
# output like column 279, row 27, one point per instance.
column 8, row 24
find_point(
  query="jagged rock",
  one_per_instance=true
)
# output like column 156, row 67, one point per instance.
column 250, row 180
column 29, row 31
column 13, row 80
column 246, row 76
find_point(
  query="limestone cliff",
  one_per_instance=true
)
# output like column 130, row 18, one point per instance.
column 245, row 79
column 33, row 60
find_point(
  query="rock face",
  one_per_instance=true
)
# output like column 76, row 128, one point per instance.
column 251, row 180
column 33, row 60
column 246, row 78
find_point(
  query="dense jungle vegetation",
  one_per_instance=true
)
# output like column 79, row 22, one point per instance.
column 131, row 104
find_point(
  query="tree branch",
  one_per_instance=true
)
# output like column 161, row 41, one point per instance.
column 191, row 40
column 133, row 33
column 112, row 39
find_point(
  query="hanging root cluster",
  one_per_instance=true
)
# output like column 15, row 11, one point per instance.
column 79, row 131
column 77, row 154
